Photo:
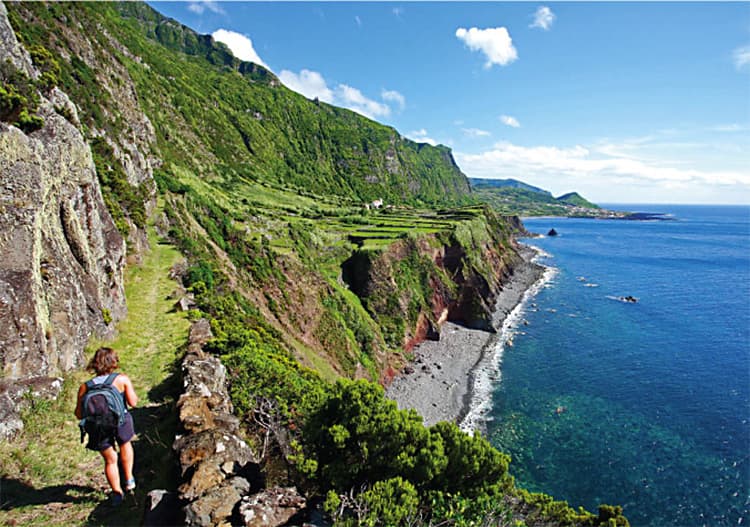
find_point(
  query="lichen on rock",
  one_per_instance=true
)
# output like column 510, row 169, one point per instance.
column 63, row 258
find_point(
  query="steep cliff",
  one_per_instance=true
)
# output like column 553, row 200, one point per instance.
column 61, row 275
column 413, row 285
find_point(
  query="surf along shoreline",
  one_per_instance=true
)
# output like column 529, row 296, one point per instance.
column 452, row 379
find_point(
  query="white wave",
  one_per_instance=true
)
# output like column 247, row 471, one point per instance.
column 539, row 253
column 488, row 372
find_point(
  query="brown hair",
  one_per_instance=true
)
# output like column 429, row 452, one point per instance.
column 104, row 361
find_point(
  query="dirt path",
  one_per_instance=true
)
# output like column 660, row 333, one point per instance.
column 46, row 476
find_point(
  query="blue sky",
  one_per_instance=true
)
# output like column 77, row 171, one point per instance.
column 622, row 102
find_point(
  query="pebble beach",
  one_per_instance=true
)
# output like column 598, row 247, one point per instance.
column 442, row 381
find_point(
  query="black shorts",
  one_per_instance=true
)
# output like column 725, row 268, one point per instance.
column 125, row 433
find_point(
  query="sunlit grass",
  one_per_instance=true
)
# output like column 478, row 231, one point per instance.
column 48, row 477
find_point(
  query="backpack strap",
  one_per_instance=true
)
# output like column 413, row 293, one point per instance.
column 110, row 379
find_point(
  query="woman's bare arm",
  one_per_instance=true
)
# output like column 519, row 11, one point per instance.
column 130, row 396
column 81, row 392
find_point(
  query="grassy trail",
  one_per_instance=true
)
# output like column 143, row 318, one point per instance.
column 47, row 476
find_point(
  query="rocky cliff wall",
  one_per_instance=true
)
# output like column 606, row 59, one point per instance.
column 414, row 285
column 61, row 272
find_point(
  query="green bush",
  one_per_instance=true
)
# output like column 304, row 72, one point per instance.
column 123, row 200
column 388, row 503
column 359, row 437
column 47, row 65
column 200, row 272
column 19, row 99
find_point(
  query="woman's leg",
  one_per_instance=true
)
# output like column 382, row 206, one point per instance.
column 111, row 470
column 127, row 456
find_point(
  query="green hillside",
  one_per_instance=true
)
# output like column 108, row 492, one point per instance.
column 233, row 121
column 575, row 199
column 512, row 197
column 313, row 292
column 479, row 183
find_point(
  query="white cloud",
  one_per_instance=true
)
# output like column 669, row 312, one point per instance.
column 475, row 132
column 510, row 121
column 494, row 42
column 311, row 84
column 543, row 18
column 741, row 57
column 604, row 172
column 200, row 7
column 421, row 136
column 240, row 45
column 398, row 11
column 733, row 127
column 394, row 96
column 353, row 99
column 358, row 20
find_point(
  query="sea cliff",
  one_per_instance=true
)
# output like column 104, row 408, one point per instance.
column 440, row 381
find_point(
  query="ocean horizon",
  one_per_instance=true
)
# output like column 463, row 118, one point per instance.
column 644, row 404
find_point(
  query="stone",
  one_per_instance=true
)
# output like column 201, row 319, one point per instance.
column 210, row 453
column 163, row 508
column 205, row 477
column 201, row 447
column 17, row 395
column 200, row 332
column 195, row 414
column 271, row 508
column 214, row 508
column 184, row 304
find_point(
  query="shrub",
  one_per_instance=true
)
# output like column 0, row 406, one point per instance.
column 18, row 98
column 47, row 65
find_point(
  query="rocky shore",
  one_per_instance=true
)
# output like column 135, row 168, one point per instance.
column 441, row 380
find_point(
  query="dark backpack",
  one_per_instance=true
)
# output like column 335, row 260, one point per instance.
column 102, row 411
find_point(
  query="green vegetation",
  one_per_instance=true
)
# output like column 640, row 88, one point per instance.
column 575, row 199
column 19, row 99
column 513, row 197
column 306, row 286
column 123, row 200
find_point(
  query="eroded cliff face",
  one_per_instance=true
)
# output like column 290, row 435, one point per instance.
column 415, row 285
column 61, row 271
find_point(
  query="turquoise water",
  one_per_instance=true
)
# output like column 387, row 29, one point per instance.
column 641, row 404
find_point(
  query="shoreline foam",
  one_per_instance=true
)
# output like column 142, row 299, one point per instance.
column 451, row 379
column 488, row 370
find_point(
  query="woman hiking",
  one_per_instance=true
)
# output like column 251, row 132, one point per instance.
column 104, row 363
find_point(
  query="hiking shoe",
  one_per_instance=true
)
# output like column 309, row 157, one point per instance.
column 130, row 485
column 115, row 499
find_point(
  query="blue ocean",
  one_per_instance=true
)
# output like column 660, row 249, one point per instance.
column 645, row 404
